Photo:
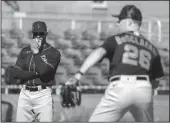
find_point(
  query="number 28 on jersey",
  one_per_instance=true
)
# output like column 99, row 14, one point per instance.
column 133, row 56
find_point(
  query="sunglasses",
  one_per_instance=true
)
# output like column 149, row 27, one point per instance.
column 35, row 34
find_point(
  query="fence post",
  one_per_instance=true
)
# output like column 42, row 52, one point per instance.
column 6, row 91
column 99, row 24
column 58, row 90
column 159, row 30
column 150, row 30
column 20, row 23
column 158, row 22
column 73, row 24
column 155, row 92
column 20, row 15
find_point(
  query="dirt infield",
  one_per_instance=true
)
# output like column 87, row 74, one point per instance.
column 82, row 113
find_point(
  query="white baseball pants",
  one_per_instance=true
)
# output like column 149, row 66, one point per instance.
column 35, row 104
column 126, row 94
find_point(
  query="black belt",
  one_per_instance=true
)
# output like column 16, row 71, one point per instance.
column 34, row 88
column 137, row 78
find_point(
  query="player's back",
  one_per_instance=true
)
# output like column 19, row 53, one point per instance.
column 133, row 55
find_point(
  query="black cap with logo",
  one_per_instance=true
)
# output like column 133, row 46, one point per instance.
column 130, row 11
column 39, row 26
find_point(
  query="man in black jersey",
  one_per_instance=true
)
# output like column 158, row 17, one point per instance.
column 36, row 67
column 134, row 63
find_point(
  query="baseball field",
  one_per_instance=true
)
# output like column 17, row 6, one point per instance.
column 82, row 113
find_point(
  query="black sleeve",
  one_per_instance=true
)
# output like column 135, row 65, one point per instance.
column 23, row 74
column 109, row 45
column 46, row 64
column 18, row 71
column 20, row 60
column 157, row 69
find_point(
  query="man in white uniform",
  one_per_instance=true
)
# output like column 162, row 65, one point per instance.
column 134, row 64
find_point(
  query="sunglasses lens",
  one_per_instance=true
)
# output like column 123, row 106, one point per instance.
column 38, row 34
column 41, row 34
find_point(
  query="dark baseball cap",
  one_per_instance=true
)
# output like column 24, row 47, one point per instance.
column 130, row 11
column 39, row 26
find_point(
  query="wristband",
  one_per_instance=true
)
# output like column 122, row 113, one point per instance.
column 80, row 72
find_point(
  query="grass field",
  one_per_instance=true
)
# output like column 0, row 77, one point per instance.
column 82, row 113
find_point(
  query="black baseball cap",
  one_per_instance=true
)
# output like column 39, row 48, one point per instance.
column 39, row 26
column 130, row 11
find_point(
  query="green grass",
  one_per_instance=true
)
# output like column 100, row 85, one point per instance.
column 89, row 101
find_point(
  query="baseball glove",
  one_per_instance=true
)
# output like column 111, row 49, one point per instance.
column 70, row 93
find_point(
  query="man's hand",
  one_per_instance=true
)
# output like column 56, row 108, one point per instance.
column 71, row 92
column 74, row 80
column 34, row 47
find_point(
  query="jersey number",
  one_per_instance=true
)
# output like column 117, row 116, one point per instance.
column 132, row 53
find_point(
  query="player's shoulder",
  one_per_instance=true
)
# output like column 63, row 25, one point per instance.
column 151, row 44
column 117, row 38
column 26, row 49
column 55, row 51
column 24, row 52
column 147, row 40
column 112, row 38
column 156, row 52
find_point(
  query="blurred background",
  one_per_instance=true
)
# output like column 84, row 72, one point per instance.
column 75, row 28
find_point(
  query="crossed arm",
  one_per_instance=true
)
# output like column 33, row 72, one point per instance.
column 42, row 68
column 19, row 73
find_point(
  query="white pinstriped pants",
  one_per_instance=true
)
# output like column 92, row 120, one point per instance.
column 126, row 94
column 33, row 105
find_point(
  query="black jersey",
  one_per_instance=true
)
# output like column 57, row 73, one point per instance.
column 131, row 54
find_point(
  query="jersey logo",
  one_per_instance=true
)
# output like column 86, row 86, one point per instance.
column 44, row 58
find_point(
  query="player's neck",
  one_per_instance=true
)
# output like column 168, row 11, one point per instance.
column 134, row 32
